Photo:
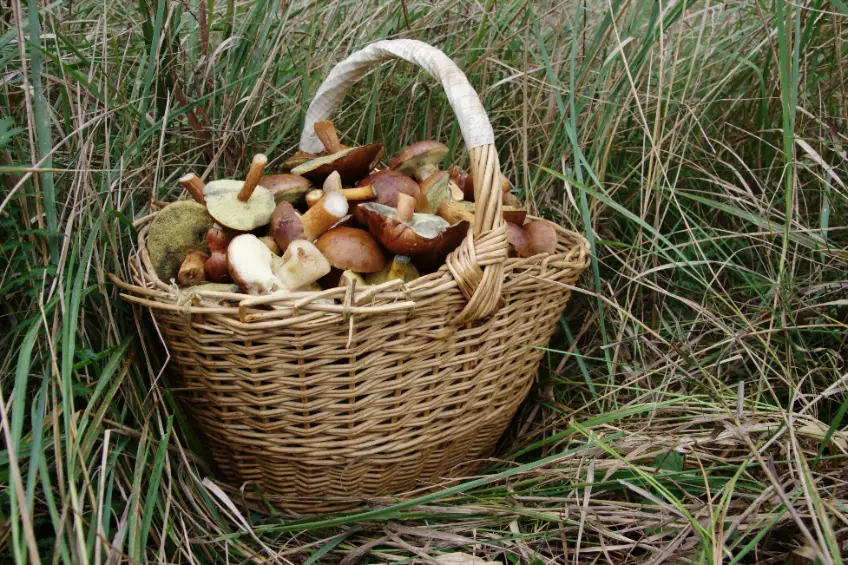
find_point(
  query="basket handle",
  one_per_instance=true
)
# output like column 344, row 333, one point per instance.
column 477, row 265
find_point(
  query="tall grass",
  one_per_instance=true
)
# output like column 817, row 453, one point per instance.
column 692, row 409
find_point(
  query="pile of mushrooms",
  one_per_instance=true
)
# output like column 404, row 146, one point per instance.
column 331, row 219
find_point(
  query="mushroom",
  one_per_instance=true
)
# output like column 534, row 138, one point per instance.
column 241, row 206
column 350, row 277
column 286, row 187
column 301, row 265
column 466, row 183
column 288, row 225
column 249, row 262
column 191, row 271
column 542, row 236
column 419, row 160
column 270, row 243
column 326, row 132
column 192, row 183
column 386, row 185
column 405, row 233
column 433, row 190
column 177, row 229
column 352, row 163
column 357, row 194
column 519, row 243
column 351, row 249
column 299, row 158
column 454, row 211
column 399, row 268
column 215, row 267
column 313, row 197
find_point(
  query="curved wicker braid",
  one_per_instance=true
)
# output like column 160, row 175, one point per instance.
column 387, row 388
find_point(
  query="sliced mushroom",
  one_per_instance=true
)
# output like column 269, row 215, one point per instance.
column 177, row 229
column 249, row 261
column 241, row 206
column 405, row 233
column 288, row 225
column 286, row 187
column 301, row 265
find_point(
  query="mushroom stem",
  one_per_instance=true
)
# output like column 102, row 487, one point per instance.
column 257, row 167
column 326, row 132
column 355, row 194
column 192, row 183
column 313, row 197
column 366, row 192
column 191, row 271
column 326, row 212
column 405, row 208
column 454, row 211
column 398, row 268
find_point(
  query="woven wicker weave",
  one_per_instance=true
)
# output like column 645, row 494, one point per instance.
column 387, row 388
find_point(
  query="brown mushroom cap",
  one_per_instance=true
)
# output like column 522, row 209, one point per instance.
column 177, row 229
column 519, row 243
column 542, row 236
column 352, row 164
column 425, row 233
column 286, row 187
column 299, row 158
column 421, row 155
column 387, row 185
column 351, row 249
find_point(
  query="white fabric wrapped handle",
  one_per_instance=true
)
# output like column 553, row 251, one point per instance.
column 477, row 265
column 473, row 121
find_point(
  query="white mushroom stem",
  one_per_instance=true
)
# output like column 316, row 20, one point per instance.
column 257, row 167
column 301, row 265
column 326, row 212
column 192, row 183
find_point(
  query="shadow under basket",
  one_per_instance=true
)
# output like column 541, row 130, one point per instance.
column 322, row 404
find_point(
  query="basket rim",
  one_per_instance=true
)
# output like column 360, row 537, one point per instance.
column 144, row 287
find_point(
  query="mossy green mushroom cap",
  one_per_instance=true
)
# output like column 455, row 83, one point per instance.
column 177, row 229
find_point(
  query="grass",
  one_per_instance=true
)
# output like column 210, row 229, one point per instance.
column 692, row 410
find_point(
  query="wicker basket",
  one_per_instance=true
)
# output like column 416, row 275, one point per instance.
column 390, row 388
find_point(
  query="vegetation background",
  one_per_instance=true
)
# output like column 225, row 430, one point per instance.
column 691, row 409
